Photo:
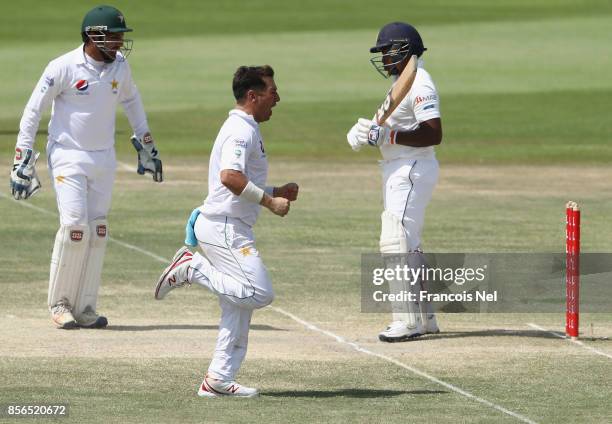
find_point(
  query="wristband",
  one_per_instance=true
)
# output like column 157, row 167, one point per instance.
column 252, row 193
column 269, row 190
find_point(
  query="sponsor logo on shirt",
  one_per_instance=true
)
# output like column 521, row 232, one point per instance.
column 238, row 152
column 115, row 86
column 82, row 86
column 48, row 83
column 262, row 147
column 18, row 153
column 240, row 143
column 421, row 99
column 429, row 107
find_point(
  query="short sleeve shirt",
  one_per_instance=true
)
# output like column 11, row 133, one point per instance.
column 239, row 146
column 421, row 104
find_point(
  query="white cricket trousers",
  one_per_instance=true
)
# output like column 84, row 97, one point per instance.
column 407, row 188
column 83, row 182
column 232, row 269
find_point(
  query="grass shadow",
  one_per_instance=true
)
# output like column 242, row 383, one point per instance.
column 490, row 333
column 352, row 393
column 256, row 327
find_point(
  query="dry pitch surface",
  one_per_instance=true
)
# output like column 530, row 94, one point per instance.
column 313, row 354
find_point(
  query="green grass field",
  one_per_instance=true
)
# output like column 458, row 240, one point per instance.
column 525, row 104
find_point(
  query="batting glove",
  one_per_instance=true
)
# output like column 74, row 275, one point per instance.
column 148, row 157
column 24, row 180
column 375, row 135
column 352, row 139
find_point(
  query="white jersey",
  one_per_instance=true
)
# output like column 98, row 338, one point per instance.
column 420, row 104
column 238, row 146
column 84, row 103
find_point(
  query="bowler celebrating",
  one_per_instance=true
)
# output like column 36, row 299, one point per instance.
column 231, row 266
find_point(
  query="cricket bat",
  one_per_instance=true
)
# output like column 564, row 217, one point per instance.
column 399, row 90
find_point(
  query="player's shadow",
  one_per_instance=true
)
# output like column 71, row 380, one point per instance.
column 490, row 333
column 256, row 327
column 351, row 393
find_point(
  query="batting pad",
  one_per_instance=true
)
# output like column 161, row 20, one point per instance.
column 394, row 247
column 404, row 310
column 92, row 272
column 392, row 235
column 416, row 260
column 69, row 255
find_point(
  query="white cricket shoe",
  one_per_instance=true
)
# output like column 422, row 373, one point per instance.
column 175, row 275
column 61, row 315
column 399, row 331
column 90, row 319
column 431, row 326
column 211, row 388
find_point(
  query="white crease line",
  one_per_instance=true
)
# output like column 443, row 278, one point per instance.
column 416, row 371
column 578, row 342
column 339, row 339
column 114, row 240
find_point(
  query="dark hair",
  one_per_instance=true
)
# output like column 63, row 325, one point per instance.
column 250, row 78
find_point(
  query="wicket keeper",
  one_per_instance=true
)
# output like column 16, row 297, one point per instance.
column 84, row 87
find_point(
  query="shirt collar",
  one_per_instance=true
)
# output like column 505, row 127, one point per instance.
column 242, row 114
column 80, row 59
column 79, row 55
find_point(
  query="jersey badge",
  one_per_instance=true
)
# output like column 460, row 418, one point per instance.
column 82, row 86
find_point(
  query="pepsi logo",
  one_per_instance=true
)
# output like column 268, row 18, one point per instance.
column 82, row 85
column 76, row 235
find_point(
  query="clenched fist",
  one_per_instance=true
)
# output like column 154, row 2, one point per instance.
column 288, row 191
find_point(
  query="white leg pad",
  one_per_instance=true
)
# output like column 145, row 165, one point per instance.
column 92, row 271
column 394, row 246
column 392, row 235
column 67, row 261
column 417, row 260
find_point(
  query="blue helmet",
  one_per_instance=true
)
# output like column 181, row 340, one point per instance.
column 396, row 41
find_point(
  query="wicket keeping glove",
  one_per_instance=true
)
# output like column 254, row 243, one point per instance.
column 24, row 180
column 375, row 135
column 148, row 157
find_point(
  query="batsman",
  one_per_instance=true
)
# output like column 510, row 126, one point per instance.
column 84, row 87
column 406, row 142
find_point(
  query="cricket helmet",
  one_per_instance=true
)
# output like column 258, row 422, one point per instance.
column 101, row 21
column 396, row 41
